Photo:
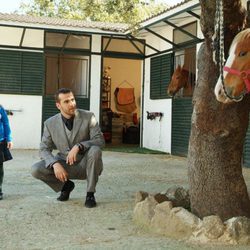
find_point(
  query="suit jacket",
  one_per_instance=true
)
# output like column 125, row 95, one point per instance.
column 85, row 131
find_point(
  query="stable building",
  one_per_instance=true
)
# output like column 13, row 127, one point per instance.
column 99, row 62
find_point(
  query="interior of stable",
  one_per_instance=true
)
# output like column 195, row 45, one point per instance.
column 121, row 100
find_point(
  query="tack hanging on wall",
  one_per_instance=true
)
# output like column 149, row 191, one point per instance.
column 154, row 115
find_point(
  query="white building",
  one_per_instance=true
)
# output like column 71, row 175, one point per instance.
column 38, row 55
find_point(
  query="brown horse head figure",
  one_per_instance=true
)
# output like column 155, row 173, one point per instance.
column 236, row 72
column 179, row 80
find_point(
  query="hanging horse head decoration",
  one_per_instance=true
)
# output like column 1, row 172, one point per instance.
column 234, row 82
column 180, row 79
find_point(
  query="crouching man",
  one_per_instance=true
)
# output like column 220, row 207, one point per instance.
column 77, row 137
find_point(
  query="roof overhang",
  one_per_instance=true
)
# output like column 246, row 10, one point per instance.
column 174, row 17
column 54, row 27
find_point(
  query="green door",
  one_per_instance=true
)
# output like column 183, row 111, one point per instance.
column 181, row 125
column 246, row 152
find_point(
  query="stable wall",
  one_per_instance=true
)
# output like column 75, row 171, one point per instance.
column 157, row 134
column 95, row 76
column 26, row 120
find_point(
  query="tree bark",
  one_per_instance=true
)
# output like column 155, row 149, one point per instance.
column 218, row 130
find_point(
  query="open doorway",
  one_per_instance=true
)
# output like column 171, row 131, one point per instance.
column 121, row 100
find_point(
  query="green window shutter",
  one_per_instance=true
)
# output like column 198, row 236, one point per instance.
column 160, row 75
column 10, row 71
column 32, row 73
column 246, row 153
column 21, row 72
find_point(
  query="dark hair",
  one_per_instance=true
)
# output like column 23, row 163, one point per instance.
column 62, row 91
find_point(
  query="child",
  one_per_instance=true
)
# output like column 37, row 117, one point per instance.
column 5, row 144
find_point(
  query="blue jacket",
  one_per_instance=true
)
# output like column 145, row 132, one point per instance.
column 5, row 132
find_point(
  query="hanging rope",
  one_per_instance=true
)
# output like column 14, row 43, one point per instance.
column 218, row 40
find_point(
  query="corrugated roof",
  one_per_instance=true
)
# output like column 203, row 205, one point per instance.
column 60, row 22
column 167, row 9
column 77, row 24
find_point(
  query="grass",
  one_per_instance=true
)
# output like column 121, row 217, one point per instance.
column 131, row 149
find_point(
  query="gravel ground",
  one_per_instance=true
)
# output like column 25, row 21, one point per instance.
column 32, row 218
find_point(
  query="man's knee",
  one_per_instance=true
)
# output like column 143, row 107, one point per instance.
column 36, row 169
column 95, row 153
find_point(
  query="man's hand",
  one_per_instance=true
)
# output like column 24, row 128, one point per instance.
column 60, row 173
column 71, row 158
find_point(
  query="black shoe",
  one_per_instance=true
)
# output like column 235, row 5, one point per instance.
column 1, row 196
column 67, row 188
column 90, row 201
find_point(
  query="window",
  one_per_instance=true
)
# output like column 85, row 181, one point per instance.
column 122, row 45
column 160, row 75
column 180, row 38
column 67, row 71
column 21, row 37
column 67, row 41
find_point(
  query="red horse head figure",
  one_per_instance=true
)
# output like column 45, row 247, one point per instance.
column 180, row 79
column 235, row 82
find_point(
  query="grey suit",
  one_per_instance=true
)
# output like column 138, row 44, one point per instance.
column 89, row 162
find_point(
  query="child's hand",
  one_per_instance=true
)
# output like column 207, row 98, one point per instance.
column 9, row 144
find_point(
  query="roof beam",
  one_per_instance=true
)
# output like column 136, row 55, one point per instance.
column 147, row 45
column 23, row 34
column 159, row 53
column 109, row 41
column 193, row 14
column 134, row 44
column 161, row 37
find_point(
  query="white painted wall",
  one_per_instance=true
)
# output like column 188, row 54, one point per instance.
column 156, row 133
column 95, row 87
column 95, row 76
column 26, row 121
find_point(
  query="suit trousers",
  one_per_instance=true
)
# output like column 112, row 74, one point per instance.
column 89, row 168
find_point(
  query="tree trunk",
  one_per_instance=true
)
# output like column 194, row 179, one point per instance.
column 218, row 130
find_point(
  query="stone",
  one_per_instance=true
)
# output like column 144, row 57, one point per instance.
column 238, row 229
column 213, row 227
column 179, row 196
column 160, row 198
column 160, row 220
column 144, row 211
column 183, row 222
column 177, row 223
column 140, row 196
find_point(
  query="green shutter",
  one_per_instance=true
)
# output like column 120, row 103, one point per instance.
column 10, row 71
column 50, row 109
column 21, row 72
column 32, row 73
column 246, row 153
column 182, row 110
column 160, row 75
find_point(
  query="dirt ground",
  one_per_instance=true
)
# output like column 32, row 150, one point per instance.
column 32, row 218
